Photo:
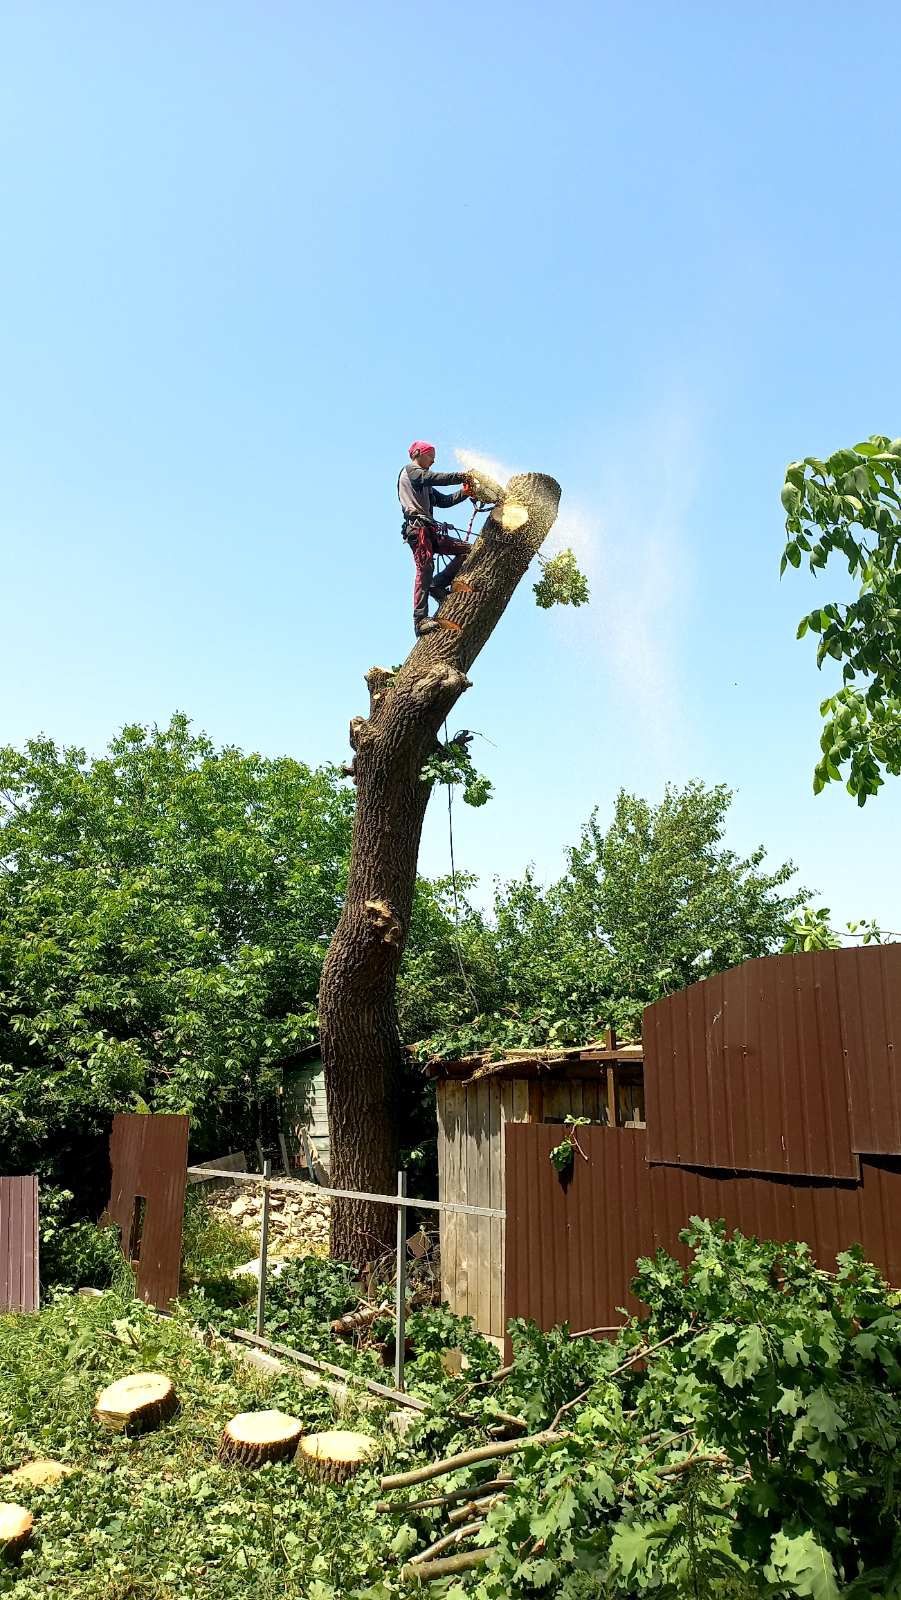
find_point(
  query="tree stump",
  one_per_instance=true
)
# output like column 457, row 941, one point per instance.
column 136, row 1403
column 40, row 1474
column 16, row 1525
column 255, row 1437
column 335, row 1456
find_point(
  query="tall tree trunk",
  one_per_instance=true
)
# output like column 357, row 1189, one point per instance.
column 357, row 1009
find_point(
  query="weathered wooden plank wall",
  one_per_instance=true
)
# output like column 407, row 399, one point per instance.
column 472, row 1117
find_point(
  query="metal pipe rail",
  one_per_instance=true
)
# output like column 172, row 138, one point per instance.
column 401, row 1200
column 291, row 1186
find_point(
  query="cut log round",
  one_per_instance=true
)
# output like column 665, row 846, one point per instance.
column 255, row 1437
column 39, row 1474
column 15, row 1529
column 336, row 1455
column 136, row 1403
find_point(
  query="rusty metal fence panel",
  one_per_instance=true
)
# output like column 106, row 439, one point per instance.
column 149, row 1161
column 571, row 1250
column 19, row 1263
column 869, row 983
column 752, row 1070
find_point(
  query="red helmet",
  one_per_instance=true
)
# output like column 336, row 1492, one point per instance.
column 419, row 447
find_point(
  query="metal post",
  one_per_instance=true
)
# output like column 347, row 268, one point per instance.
column 400, row 1319
column 264, row 1248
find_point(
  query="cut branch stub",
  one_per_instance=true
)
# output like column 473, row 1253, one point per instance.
column 137, row 1403
column 442, row 681
column 16, row 1526
column 377, row 681
column 383, row 920
column 255, row 1437
column 336, row 1455
column 511, row 515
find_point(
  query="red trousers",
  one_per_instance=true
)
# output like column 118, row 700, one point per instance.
column 426, row 544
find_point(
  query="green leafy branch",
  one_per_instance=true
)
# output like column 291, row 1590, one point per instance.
column 451, row 764
column 812, row 929
column 563, row 1154
column 562, row 582
column 850, row 505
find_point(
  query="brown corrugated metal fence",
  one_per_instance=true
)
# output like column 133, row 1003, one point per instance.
column 19, row 1286
column 785, row 1064
column 571, row 1250
column 869, row 983
column 149, row 1160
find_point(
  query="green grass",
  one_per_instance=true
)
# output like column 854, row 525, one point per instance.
column 158, row 1517
column 212, row 1244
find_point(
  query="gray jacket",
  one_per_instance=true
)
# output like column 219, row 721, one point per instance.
column 418, row 493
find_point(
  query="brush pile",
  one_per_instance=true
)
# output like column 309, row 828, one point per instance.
column 740, row 1441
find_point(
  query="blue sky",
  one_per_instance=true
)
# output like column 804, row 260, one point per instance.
column 250, row 251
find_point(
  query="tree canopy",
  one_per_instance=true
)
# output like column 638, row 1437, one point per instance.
column 850, row 506
column 651, row 903
column 164, row 912
column 165, row 909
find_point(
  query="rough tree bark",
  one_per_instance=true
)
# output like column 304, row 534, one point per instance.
column 358, row 1020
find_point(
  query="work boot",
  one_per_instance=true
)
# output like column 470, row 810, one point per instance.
column 428, row 625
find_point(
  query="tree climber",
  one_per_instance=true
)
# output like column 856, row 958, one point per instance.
column 418, row 493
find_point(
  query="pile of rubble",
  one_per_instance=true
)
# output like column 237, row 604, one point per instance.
column 298, row 1219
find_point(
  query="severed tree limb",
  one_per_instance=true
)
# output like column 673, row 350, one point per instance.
column 447, row 1566
column 640, row 1354
column 476, row 1508
column 357, row 1321
column 435, row 1501
column 674, row 1468
column 467, row 1458
column 506, row 1423
column 587, row 1333
column 446, row 1543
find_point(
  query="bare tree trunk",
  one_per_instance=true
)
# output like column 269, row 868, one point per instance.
column 357, row 1010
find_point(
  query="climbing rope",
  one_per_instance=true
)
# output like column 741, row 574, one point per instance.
column 478, row 509
column 450, row 830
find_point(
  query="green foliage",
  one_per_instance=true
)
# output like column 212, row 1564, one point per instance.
column 159, row 1518
column 162, row 913
column 812, row 930
column 311, row 1292
column 739, row 1441
column 850, row 506
column 563, row 1154
column 562, row 583
column 446, row 974
column 212, row 1244
column 452, row 764
column 74, row 1252
column 752, row 1455
column 649, row 904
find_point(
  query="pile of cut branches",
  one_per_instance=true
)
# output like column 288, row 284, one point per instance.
column 740, row 1441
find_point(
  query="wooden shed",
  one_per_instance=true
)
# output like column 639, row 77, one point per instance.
column 476, row 1097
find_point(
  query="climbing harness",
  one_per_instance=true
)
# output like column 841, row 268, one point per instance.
column 479, row 508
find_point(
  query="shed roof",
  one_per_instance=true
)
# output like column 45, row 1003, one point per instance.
column 578, row 1061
